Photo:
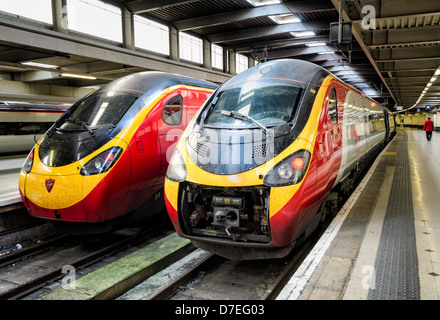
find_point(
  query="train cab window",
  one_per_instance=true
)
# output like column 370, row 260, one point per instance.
column 269, row 102
column 172, row 111
column 333, row 106
column 99, row 110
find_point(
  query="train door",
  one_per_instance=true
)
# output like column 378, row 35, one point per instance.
column 366, row 117
column 171, row 126
column 329, row 141
column 335, row 113
column 387, row 120
column 360, row 126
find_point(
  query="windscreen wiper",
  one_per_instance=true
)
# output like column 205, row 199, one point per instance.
column 208, row 110
column 238, row 115
column 82, row 124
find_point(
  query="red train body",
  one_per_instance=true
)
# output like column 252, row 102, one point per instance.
column 106, row 157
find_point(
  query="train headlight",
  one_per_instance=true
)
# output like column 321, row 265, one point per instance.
column 102, row 162
column 176, row 169
column 289, row 171
column 285, row 171
column 27, row 165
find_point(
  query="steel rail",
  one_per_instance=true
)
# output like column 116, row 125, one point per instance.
column 39, row 282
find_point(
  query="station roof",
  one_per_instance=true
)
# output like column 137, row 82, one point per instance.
column 392, row 58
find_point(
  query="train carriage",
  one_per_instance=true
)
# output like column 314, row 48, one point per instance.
column 106, row 157
column 258, row 167
column 22, row 124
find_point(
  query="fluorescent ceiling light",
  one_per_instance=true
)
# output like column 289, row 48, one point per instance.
column 326, row 52
column 257, row 3
column 303, row 33
column 428, row 85
column 285, row 18
column 315, row 44
column 38, row 64
column 70, row 75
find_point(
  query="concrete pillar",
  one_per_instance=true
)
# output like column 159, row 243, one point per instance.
column 207, row 54
column 174, row 44
column 251, row 62
column 225, row 61
column 436, row 121
column 59, row 15
column 232, row 62
column 127, row 29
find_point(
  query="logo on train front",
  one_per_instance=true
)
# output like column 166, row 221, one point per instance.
column 49, row 184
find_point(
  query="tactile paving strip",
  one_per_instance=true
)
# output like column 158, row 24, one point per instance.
column 396, row 267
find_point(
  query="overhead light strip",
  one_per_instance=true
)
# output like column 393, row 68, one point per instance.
column 428, row 85
column 285, row 18
column 71, row 75
column 258, row 3
column 39, row 64
column 316, row 44
column 299, row 34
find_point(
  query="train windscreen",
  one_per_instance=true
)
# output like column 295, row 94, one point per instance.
column 268, row 102
column 99, row 109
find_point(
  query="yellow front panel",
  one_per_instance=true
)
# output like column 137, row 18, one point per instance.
column 66, row 191
column 70, row 186
column 172, row 192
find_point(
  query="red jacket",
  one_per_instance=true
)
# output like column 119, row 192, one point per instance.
column 429, row 125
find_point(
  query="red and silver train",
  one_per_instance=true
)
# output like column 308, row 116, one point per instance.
column 259, row 166
column 105, row 159
column 22, row 124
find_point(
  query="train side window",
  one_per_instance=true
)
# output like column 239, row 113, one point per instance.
column 333, row 106
column 172, row 111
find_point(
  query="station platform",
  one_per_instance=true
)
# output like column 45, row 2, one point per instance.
column 384, row 244
column 9, row 173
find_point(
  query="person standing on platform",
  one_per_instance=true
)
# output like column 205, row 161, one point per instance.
column 428, row 127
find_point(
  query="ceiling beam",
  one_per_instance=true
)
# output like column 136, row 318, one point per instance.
column 409, row 59
column 251, row 13
column 392, row 8
column 294, row 53
column 405, row 36
column 268, row 31
column 142, row 6
column 400, row 17
column 249, row 46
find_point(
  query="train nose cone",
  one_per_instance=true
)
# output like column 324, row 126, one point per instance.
column 54, row 193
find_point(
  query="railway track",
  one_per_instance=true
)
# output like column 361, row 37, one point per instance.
column 45, row 264
column 217, row 278
column 199, row 275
